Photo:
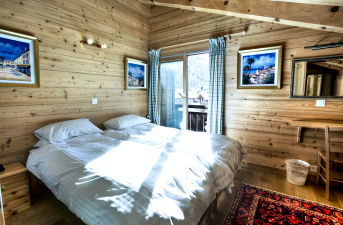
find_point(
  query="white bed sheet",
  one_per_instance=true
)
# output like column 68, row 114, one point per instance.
column 146, row 174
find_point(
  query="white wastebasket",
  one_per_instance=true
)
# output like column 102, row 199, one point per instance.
column 297, row 171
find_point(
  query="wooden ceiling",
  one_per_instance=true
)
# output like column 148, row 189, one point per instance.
column 315, row 14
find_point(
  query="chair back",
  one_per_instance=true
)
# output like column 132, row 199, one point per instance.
column 332, row 143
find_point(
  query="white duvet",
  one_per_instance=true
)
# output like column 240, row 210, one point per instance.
column 146, row 174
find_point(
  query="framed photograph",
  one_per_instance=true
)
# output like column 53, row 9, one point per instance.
column 136, row 74
column 259, row 68
column 19, row 60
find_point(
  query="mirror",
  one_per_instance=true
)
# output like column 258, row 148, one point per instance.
column 320, row 77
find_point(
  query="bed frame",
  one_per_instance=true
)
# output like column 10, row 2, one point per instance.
column 212, row 208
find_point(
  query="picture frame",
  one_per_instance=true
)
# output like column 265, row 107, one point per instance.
column 19, row 60
column 136, row 74
column 259, row 68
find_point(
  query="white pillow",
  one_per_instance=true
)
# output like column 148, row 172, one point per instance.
column 41, row 143
column 58, row 132
column 125, row 122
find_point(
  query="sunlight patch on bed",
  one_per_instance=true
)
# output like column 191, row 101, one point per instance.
column 120, row 166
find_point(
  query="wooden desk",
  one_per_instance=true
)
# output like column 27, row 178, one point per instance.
column 320, row 124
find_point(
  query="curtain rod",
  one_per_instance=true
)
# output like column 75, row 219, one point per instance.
column 206, row 39
column 188, row 53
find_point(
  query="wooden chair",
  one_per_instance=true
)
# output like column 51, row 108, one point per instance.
column 329, row 155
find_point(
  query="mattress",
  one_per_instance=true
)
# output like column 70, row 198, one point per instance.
column 146, row 174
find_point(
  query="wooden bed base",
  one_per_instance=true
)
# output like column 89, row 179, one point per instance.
column 212, row 208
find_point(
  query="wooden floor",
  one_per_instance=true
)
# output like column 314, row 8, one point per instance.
column 48, row 210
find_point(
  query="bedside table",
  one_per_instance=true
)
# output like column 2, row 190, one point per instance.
column 14, row 189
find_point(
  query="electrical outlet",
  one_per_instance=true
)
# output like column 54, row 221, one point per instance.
column 94, row 101
column 313, row 168
column 320, row 103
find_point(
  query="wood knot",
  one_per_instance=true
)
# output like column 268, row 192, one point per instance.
column 226, row 2
column 334, row 9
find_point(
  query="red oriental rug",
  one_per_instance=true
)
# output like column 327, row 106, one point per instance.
column 254, row 205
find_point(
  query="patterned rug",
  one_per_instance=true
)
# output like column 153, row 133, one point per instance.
column 254, row 205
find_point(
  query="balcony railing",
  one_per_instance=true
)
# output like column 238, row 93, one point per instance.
column 197, row 116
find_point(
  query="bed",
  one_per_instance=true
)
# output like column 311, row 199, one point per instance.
column 144, row 174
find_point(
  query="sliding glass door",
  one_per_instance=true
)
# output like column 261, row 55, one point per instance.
column 183, row 93
column 198, row 87
column 172, row 94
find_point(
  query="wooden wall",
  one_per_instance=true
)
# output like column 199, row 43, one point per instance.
column 72, row 73
column 259, row 119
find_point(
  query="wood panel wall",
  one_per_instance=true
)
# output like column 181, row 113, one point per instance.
column 259, row 119
column 72, row 73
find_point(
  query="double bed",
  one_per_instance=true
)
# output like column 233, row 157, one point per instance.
column 144, row 174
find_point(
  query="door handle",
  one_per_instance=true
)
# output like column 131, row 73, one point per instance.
column 182, row 96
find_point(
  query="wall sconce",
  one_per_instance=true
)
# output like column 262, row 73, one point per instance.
column 90, row 41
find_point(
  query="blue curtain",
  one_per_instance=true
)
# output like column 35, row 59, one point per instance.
column 153, row 86
column 216, row 87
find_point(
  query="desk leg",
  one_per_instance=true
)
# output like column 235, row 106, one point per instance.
column 299, row 134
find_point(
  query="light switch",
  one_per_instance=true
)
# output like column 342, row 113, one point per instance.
column 94, row 101
column 320, row 103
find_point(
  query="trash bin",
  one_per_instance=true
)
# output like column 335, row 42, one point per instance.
column 297, row 171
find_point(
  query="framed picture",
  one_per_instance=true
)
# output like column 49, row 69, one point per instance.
column 19, row 60
column 136, row 74
column 259, row 68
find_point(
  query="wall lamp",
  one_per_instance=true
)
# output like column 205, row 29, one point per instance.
column 90, row 41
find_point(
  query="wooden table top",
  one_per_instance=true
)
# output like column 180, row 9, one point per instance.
column 12, row 169
column 317, row 124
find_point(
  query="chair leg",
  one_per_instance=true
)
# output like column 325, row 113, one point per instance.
column 327, row 166
column 327, row 188
column 318, row 170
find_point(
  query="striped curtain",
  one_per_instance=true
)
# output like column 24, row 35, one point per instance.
column 153, row 86
column 216, row 87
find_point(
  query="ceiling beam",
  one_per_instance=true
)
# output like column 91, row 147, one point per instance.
column 319, row 17
column 315, row 2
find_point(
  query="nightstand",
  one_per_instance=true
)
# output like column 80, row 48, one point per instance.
column 15, row 189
